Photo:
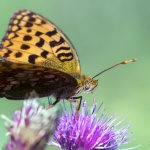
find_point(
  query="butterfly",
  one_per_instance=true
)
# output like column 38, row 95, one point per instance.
column 35, row 55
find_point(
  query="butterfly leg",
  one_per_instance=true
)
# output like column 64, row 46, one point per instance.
column 52, row 104
column 78, row 104
column 56, row 101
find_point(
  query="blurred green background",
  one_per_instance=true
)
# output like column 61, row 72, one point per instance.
column 104, row 32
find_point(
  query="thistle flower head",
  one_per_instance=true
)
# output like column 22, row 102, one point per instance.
column 30, row 127
column 85, row 131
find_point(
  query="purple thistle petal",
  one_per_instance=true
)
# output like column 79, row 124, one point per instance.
column 85, row 131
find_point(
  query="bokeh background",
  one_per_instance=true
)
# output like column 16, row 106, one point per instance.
column 104, row 32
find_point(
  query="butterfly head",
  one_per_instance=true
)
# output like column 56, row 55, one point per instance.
column 89, row 85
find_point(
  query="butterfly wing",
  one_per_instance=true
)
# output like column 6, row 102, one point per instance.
column 18, row 81
column 33, row 39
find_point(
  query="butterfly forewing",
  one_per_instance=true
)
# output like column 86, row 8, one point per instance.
column 40, row 42
column 36, row 56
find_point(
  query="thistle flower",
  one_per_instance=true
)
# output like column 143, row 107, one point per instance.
column 30, row 127
column 84, row 131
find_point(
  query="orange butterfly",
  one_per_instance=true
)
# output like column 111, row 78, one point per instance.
column 36, row 56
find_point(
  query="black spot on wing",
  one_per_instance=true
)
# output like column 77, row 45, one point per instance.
column 7, row 53
column 51, row 33
column 44, row 54
column 27, row 38
column 29, row 30
column 40, row 43
column 18, row 54
column 10, row 44
column 43, row 22
column 25, row 47
column 65, row 56
column 28, row 24
column 31, row 19
column 62, row 48
column 32, row 58
column 56, row 43
column 38, row 33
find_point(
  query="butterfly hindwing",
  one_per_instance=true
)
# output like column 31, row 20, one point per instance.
column 17, row 81
column 33, row 39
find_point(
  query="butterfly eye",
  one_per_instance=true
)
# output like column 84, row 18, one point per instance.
column 87, row 85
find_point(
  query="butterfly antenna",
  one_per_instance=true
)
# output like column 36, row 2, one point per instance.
column 121, row 63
